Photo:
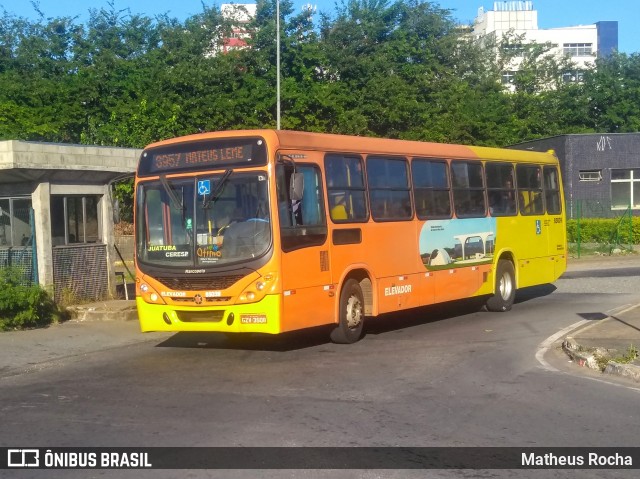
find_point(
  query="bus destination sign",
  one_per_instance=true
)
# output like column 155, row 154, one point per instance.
column 210, row 154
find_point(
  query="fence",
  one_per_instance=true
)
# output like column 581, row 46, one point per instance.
column 80, row 273
column 599, row 229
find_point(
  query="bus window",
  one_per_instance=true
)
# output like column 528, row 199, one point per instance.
column 552, row 190
column 530, row 190
column 388, row 181
column 431, row 188
column 468, row 189
column 302, row 223
column 166, row 235
column 345, row 188
column 501, row 190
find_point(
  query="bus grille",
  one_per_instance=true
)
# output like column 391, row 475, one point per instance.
column 200, row 284
column 200, row 316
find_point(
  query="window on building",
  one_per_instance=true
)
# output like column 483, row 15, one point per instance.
column 74, row 219
column 15, row 229
column 590, row 175
column 508, row 77
column 575, row 76
column 625, row 189
column 515, row 49
column 578, row 49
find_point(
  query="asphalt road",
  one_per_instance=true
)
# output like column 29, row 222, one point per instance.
column 440, row 376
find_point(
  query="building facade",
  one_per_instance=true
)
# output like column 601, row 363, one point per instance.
column 582, row 44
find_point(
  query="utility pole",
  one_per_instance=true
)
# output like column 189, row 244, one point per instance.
column 277, row 64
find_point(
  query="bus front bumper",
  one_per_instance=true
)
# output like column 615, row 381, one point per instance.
column 260, row 317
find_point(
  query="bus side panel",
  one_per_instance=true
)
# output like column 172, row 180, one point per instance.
column 456, row 283
column 307, row 299
column 535, row 265
column 391, row 254
column 558, row 244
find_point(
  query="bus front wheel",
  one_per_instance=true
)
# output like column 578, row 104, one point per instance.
column 505, row 290
column 350, row 315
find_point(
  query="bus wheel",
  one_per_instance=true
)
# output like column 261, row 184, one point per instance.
column 505, row 292
column 351, row 314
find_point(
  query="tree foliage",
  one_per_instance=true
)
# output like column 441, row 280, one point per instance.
column 400, row 69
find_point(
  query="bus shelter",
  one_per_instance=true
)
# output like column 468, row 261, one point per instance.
column 57, row 215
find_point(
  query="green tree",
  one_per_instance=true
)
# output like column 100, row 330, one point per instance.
column 612, row 92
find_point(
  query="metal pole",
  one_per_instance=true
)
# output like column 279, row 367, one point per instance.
column 277, row 64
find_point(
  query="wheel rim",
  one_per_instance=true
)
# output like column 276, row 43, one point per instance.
column 506, row 286
column 354, row 312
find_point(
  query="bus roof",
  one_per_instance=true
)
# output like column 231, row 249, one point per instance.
column 292, row 140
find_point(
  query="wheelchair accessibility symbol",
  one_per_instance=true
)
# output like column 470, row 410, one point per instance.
column 538, row 227
column 204, row 187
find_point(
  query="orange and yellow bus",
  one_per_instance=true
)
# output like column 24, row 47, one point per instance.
column 263, row 231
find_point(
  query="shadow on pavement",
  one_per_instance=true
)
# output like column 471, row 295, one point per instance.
column 320, row 335
column 527, row 294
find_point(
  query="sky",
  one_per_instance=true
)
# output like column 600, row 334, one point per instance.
column 551, row 13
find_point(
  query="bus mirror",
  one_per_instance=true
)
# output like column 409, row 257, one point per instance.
column 297, row 186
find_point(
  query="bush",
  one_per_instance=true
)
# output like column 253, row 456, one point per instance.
column 600, row 230
column 21, row 305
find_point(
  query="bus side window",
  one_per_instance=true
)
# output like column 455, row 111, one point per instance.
column 345, row 188
column 302, row 223
column 501, row 189
column 530, row 189
column 388, row 181
column 552, row 190
column 431, row 188
column 468, row 189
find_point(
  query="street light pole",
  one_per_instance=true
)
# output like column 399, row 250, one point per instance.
column 278, row 64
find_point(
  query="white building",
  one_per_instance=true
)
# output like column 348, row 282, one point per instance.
column 240, row 15
column 582, row 43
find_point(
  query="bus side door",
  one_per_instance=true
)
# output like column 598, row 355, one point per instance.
column 305, row 258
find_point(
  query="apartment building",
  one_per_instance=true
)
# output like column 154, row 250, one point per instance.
column 582, row 44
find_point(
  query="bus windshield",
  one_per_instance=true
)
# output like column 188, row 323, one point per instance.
column 203, row 221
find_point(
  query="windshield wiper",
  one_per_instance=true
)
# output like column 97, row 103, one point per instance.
column 217, row 191
column 171, row 193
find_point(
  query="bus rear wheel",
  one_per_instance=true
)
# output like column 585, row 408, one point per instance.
column 505, row 290
column 350, row 314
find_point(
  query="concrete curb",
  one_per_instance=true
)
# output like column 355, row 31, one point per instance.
column 587, row 357
column 580, row 355
column 114, row 310
column 630, row 371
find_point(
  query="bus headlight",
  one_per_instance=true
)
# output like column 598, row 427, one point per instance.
column 256, row 291
column 149, row 294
